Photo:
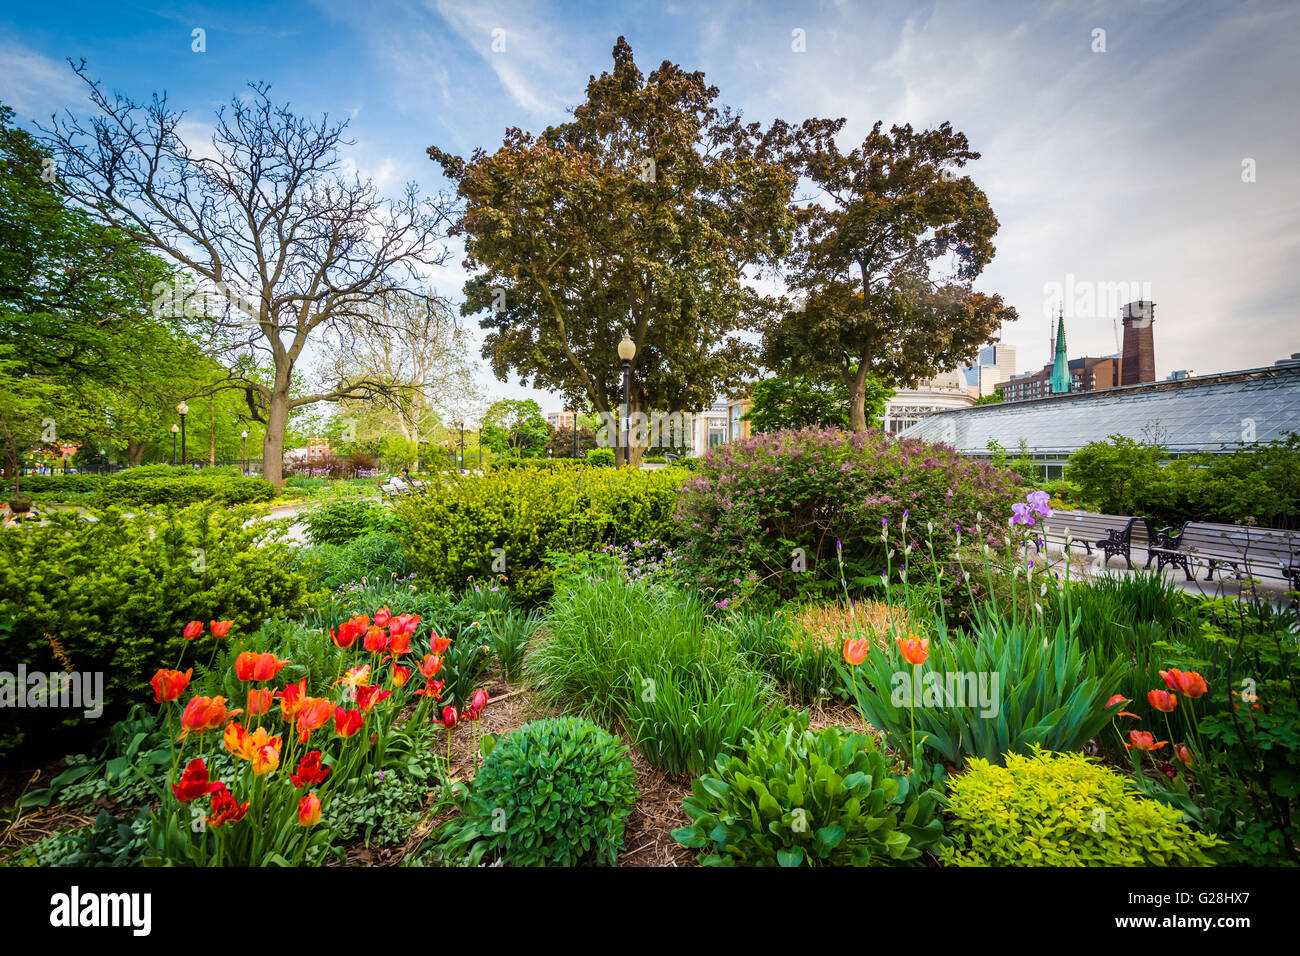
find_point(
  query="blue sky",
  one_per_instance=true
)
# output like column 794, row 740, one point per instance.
column 1123, row 166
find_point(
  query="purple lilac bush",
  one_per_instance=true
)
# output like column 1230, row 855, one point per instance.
column 755, row 501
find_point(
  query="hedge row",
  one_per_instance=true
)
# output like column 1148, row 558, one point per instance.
column 153, row 485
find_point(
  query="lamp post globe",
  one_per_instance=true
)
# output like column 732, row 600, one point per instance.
column 626, row 352
column 243, row 438
column 175, row 429
column 182, row 409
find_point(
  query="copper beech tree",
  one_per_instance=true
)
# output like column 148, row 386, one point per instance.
column 640, row 215
column 884, row 261
column 263, row 215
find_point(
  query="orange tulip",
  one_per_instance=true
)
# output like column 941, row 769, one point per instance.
column 292, row 699
column 259, row 701
column 1187, row 683
column 401, row 675
column 193, row 630
column 438, row 645
column 220, row 628
column 1184, row 755
column 309, row 810
column 315, row 712
column 430, row 666
column 399, row 644
column 1117, row 699
column 257, row 667
column 855, row 652
column 202, row 714
column 266, row 758
column 1144, row 741
column 168, row 685
column 914, row 651
column 1162, row 701
column 376, row 640
column 235, row 737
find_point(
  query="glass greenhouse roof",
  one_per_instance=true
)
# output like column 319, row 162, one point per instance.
column 1209, row 413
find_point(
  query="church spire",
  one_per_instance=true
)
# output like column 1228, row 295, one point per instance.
column 1061, row 364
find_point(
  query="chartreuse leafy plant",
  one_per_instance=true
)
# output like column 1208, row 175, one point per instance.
column 1009, row 686
column 804, row 798
column 1062, row 809
column 556, row 792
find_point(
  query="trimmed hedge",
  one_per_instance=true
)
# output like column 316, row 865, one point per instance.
column 114, row 595
column 153, row 485
column 755, row 501
column 451, row 536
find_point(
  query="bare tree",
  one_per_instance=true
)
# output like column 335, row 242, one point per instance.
column 294, row 248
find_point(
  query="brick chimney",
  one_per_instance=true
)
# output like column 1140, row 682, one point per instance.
column 1138, row 361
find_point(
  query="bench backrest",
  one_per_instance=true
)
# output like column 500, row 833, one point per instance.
column 1239, row 542
column 1085, row 526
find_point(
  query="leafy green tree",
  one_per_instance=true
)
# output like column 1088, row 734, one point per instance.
column 516, row 427
column 640, row 216
column 781, row 402
column 884, row 269
column 1107, row 471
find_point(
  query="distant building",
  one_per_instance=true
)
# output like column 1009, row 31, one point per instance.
column 996, row 363
column 1085, row 375
column 561, row 420
column 943, row 393
column 1293, row 360
column 1138, row 358
column 1181, row 375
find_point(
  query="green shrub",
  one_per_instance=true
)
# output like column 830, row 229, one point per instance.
column 602, row 457
column 385, row 807
column 153, row 485
column 557, row 792
column 115, row 595
column 799, row 798
column 1007, row 687
column 1050, row 809
column 802, row 663
column 339, row 522
column 775, row 507
column 508, row 635
column 454, row 536
column 107, row 842
column 375, row 556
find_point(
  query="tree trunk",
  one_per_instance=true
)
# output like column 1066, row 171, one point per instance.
column 212, row 433
column 277, row 419
column 857, row 384
column 134, row 453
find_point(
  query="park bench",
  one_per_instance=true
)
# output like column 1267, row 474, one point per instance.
column 1261, row 552
column 1111, row 534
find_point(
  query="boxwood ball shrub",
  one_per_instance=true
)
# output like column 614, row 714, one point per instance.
column 556, row 792
column 804, row 798
column 453, row 536
column 754, row 501
column 1062, row 809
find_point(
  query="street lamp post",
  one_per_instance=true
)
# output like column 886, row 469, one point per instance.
column 462, row 447
column 175, row 429
column 575, row 436
column 182, row 409
column 243, row 438
column 626, row 350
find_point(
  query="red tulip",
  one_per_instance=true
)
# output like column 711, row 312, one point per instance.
column 1162, row 701
column 430, row 666
column 347, row 722
column 370, row 695
column 193, row 630
column 438, row 645
column 309, row 810
column 225, row 809
column 400, row 675
column 348, row 633
column 310, row 772
column 431, row 689
column 194, row 782
column 914, row 651
column 399, row 645
column 168, row 685
column 382, row 617
column 1187, row 683
column 1184, row 755
column 1117, row 699
column 449, row 717
column 292, row 699
column 479, row 700
column 257, row 667
column 855, row 652
column 220, row 628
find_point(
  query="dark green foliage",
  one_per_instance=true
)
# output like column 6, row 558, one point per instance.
column 557, row 792
column 799, row 798
column 803, row 664
column 108, row 842
column 116, row 594
column 153, row 485
column 508, row 635
column 375, row 556
column 384, row 808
